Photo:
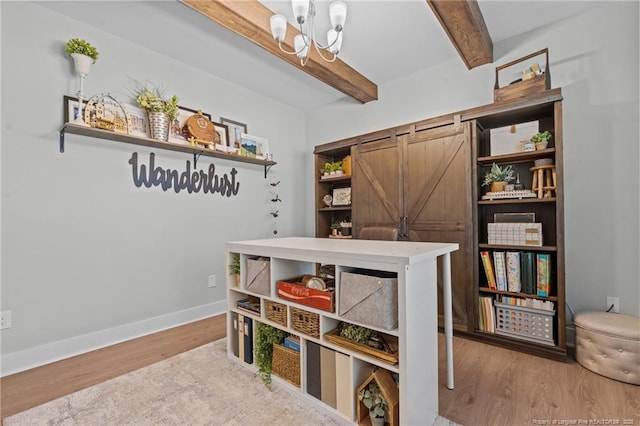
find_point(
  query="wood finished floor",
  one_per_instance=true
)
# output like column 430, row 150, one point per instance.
column 494, row 386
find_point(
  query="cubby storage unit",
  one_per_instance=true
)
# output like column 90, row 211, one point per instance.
column 331, row 373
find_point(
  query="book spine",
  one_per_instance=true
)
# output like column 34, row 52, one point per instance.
column 248, row 340
column 488, row 269
column 513, row 271
column 241, row 336
column 501, row 270
column 544, row 275
column 313, row 370
column 234, row 335
column 328, row 376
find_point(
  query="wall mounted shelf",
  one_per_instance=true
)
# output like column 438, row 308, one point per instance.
column 78, row 129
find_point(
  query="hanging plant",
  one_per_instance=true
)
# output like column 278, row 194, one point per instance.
column 266, row 337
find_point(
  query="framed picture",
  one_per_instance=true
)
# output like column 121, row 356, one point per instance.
column 254, row 146
column 236, row 130
column 72, row 108
column 139, row 121
column 176, row 134
column 341, row 196
column 223, row 137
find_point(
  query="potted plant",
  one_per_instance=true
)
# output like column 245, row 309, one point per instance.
column 266, row 337
column 498, row 177
column 374, row 400
column 234, row 267
column 162, row 110
column 334, row 227
column 332, row 169
column 541, row 139
column 345, row 226
column 81, row 50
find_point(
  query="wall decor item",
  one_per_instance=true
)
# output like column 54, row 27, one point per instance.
column 83, row 55
column 179, row 133
column 161, row 109
column 236, row 129
column 222, row 140
column 191, row 180
column 72, row 109
column 254, row 146
column 342, row 196
column 105, row 112
column 200, row 130
column 138, row 120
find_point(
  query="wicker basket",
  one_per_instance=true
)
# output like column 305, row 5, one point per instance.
column 276, row 312
column 305, row 322
column 286, row 364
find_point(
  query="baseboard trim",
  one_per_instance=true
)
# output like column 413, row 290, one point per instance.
column 18, row 361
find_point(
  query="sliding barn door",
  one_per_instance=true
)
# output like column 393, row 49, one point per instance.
column 438, row 203
column 376, row 186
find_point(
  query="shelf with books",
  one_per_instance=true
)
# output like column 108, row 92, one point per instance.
column 544, row 229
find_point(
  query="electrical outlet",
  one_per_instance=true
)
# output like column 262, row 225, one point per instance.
column 5, row 319
column 212, row 281
column 615, row 302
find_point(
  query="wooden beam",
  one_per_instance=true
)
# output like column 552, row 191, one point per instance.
column 250, row 19
column 463, row 22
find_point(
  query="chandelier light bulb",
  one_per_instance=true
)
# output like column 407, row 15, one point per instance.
column 338, row 14
column 278, row 27
column 302, row 48
column 334, row 41
column 300, row 10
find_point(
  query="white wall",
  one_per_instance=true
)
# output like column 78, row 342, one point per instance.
column 88, row 258
column 594, row 59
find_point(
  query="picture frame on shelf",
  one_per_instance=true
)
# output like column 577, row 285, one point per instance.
column 71, row 110
column 254, row 147
column 139, row 121
column 341, row 197
column 223, row 137
column 235, row 129
column 176, row 132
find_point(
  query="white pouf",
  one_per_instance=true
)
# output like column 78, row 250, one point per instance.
column 609, row 344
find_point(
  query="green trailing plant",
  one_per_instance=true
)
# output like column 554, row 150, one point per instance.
column 541, row 137
column 234, row 267
column 83, row 47
column 152, row 98
column 373, row 399
column 266, row 337
column 499, row 174
column 332, row 166
column 356, row 333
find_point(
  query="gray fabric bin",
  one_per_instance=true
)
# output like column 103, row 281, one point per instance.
column 369, row 298
column 259, row 276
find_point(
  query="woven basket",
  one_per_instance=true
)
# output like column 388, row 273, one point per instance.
column 286, row 364
column 276, row 312
column 305, row 322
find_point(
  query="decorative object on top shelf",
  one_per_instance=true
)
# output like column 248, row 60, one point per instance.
column 83, row 55
column 236, row 129
column 179, row 132
column 345, row 227
column 331, row 169
column 200, row 130
column 254, row 147
column 266, row 337
column 327, row 199
column 498, row 177
column 528, row 80
column 541, row 139
column 365, row 340
column 342, row 196
column 161, row 110
column 105, row 112
column 305, row 11
column 346, row 165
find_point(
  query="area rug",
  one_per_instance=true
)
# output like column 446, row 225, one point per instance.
column 198, row 387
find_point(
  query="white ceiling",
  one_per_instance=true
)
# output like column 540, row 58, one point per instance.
column 383, row 39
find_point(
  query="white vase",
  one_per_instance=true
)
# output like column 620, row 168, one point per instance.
column 82, row 63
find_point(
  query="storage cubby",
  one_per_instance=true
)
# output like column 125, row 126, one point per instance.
column 331, row 370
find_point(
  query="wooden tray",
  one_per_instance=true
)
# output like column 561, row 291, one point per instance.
column 333, row 336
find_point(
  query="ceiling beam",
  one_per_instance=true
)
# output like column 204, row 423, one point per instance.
column 463, row 22
column 250, row 19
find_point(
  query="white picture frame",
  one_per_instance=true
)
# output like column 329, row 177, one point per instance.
column 254, row 147
column 341, row 196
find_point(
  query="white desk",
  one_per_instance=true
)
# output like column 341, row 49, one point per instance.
column 416, row 266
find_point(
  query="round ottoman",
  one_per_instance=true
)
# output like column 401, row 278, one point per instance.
column 609, row 344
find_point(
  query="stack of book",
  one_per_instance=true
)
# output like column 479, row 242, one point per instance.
column 328, row 377
column 486, row 314
column 518, row 272
column 242, row 337
column 250, row 305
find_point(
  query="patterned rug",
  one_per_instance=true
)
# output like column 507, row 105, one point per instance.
column 198, row 387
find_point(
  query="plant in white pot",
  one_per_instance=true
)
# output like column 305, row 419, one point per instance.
column 160, row 109
column 374, row 400
column 83, row 55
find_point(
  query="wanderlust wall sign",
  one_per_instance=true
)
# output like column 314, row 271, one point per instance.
column 191, row 181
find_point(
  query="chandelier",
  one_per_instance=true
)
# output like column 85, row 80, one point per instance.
column 305, row 12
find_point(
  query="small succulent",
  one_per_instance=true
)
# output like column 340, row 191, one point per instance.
column 499, row 174
column 372, row 398
column 541, row 136
column 83, row 47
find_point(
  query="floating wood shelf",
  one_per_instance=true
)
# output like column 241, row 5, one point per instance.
column 79, row 129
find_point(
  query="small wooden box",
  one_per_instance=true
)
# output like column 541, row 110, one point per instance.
column 293, row 290
column 525, row 88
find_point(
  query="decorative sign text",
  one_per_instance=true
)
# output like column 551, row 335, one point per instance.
column 192, row 181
